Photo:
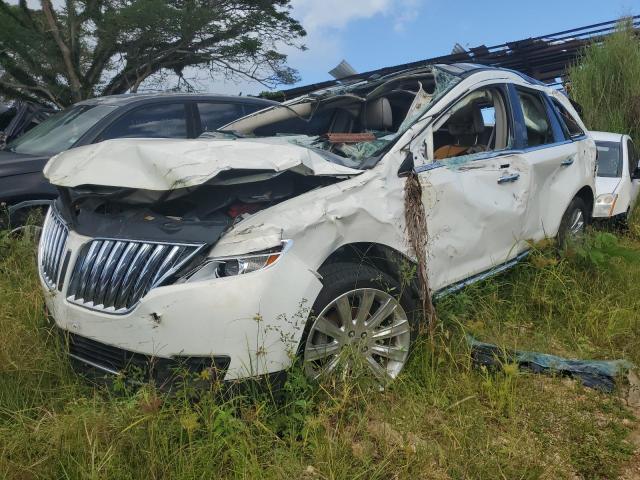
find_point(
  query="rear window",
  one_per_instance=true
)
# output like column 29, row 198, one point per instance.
column 166, row 120
column 536, row 121
column 214, row 115
column 609, row 159
column 569, row 125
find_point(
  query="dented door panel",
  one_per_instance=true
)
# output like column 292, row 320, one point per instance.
column 553, row 175
column 475, row 212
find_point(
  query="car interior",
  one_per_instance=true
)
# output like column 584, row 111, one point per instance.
column 478, row 123
column 380, row 111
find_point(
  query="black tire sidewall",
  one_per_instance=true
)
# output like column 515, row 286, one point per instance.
column 340, row 278
column 563, row 232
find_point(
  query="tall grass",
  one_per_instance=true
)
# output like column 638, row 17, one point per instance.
column 442, row 419
column 606, row 83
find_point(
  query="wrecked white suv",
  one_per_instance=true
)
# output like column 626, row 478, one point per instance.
column 283, row 236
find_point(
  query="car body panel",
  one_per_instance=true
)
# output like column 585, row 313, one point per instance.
column 150, row 164
column 177, row 320
column 476, row 224
column 12, row 164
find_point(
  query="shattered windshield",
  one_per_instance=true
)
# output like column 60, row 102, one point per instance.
column 352, row 122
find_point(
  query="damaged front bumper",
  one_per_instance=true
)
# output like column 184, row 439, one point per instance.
column 242, row 326
column 101, row 361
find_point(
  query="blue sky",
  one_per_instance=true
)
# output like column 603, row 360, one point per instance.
column 378, row 33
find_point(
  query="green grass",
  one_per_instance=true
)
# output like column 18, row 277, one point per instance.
column 442, row 419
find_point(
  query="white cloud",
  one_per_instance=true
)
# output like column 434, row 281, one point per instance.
column 326, row 22
column 407, row 13
column 316, row 15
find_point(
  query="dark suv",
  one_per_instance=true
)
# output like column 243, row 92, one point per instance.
column 159, row 115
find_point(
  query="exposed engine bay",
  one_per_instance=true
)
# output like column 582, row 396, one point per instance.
column 193, row 214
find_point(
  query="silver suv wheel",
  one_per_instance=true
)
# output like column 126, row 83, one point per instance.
column 364, row 328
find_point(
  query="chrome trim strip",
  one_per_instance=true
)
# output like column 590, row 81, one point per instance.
column 96, row 270
column 148, row 270
column 113, row 275
column 51, row 249
column 94, row 365
column 107, row 271
column 127, row 255
column 129, row 278
column 167, row 264
column 443, row 292
column 488, row 155
column 85, row 269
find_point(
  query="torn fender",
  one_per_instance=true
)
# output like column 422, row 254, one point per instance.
column 168, row 164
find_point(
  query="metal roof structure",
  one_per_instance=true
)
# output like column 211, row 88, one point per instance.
column 545, row 58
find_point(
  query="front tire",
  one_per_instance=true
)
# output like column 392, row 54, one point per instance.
column 361, row 322
column 574, row 223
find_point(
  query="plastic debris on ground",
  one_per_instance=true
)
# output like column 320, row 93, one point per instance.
column 598, row 374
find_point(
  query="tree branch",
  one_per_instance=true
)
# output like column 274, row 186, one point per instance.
column 18, row 91
column 49, row 14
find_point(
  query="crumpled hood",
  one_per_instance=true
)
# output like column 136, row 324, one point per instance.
column 167, row 164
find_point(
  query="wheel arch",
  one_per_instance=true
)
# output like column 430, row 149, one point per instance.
column 587, row 196
column 382, row 257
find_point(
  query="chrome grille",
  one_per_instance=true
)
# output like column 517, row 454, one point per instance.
column 53, row 239
column 113, row 275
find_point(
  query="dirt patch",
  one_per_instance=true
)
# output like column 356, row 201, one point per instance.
column 631, row 470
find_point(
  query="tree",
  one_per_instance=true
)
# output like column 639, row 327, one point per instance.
column 606, row 83
column 83, row 48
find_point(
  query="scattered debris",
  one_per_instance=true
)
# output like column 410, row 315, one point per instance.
column 598, row 374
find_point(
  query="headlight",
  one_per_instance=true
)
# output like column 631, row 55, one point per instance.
column 605, row 204
column 240, row 265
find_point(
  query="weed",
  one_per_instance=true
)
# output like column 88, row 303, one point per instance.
column 442, row 418
column 605, row 83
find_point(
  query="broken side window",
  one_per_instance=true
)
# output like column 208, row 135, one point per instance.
column 477, row 123
column 536, row 120
column 569, row 125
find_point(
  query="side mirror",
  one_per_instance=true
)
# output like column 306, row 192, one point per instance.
column 635, row 175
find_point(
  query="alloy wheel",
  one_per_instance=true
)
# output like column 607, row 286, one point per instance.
column 365, row 329
column 576, row 224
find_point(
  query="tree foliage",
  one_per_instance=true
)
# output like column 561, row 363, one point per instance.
column 606, row 83
column 76, row 49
